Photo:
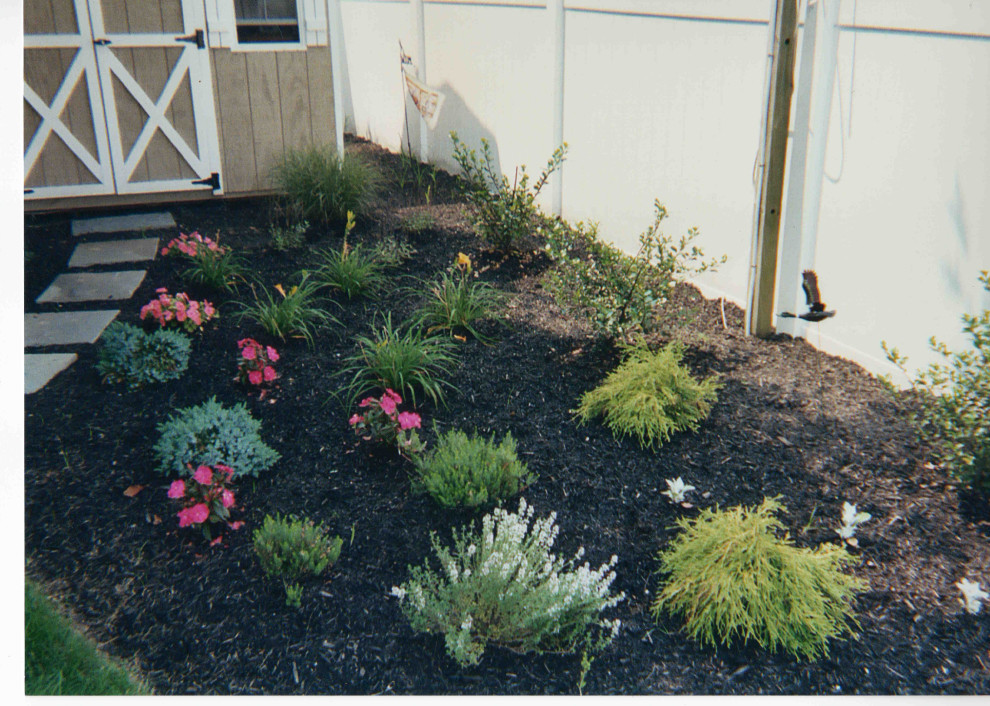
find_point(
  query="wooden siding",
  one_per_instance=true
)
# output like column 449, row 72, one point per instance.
column 266, row 104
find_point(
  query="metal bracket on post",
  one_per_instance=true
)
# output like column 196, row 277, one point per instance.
column 212, row 181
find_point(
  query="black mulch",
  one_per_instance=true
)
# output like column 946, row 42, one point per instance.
column 811, row 428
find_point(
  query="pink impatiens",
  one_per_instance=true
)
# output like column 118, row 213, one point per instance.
column 205, row 497
column 188, row 313
column 191, row 244
column 255, row 363
column 383, row 422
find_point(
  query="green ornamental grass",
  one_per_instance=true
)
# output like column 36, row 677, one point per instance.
column 60, row 661
column 650, row 396
column 463, row 471
column 404, row 359
column 321, row 187
column 353, row 271
column 731, row 578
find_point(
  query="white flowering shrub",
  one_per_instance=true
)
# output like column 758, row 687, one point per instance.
column 504, row 586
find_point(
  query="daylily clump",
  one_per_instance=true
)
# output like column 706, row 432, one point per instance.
column 191, row 245
column 205, row 498
column 180, row 309
column 256, row 364
column 383, row 422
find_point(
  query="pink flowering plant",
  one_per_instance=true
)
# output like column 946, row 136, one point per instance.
column 256, row 363
column 180, row 310
column 205, row 498
column 382, row 421
column 191, row 245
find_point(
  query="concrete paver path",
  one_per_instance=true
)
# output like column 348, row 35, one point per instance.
column 110, row 252
column 92, row 286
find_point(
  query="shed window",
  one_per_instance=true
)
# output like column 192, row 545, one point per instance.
column 267, row 21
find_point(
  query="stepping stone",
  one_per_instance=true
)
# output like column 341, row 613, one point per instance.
column 39, row 368
column 121, row 224
column 65, row 328
column 110, row 252
column 92, row 286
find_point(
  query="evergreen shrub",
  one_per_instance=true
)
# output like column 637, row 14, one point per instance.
column 129, row 355
column 650, row 396
column 293, row 548
column 730, row 577
column 209, row 434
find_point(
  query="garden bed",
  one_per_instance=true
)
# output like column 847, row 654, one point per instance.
column 789, row 421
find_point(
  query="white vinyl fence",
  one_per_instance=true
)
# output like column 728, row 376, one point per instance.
column 890, row 198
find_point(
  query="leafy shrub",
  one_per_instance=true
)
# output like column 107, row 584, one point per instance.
column 321, row 187
column 503, row 586
column 650, row 396
column 456, row 301
column 619, row 293
column 211, row 434
column 467, row 471
column 392, row 252
column 731, row 577
column 288, row 236
column 293, row 548
column 504, row 213
column 129, row 355
column 401, row 360
column 955, row 409
column 293, row 314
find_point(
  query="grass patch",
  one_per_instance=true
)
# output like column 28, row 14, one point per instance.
column 58, row 660
column 320, row 187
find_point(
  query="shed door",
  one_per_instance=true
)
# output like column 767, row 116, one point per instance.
column 149, row 97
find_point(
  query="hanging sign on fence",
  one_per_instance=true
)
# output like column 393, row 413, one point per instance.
column 428, row 100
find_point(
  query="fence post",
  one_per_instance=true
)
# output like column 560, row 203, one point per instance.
column 335, row 28
column 557, row 8
column 424, row 143
column 773, row 148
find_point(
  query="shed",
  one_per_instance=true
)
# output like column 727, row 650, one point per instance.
column 138, row 101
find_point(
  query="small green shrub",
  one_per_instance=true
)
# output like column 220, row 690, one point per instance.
column 504, row 213
column 619, row 294
column 955, row 401
column 292, row 549
column 463, row 471
column 401, row 359
column 209, row 434
column 730, row 576
column 456, row 301
column 503, row 586
column 129, row 355
column 650, row 396
column 320, row 187
column 392, row 252
column 288, row 236
column 293, row 314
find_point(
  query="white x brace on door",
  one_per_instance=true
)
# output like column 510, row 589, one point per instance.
column 147, row 74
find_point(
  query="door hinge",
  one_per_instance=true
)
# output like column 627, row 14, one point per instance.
column 212, row 181
column 101, row 42
column 198, row 38
column 28, row 191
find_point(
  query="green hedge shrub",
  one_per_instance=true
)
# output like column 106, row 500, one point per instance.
column 293, row 548
column 463, row 471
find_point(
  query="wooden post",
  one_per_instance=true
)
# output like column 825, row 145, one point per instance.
column 772, row 172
